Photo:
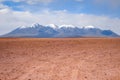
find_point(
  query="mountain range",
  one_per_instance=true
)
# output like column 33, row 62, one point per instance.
column 54, row 31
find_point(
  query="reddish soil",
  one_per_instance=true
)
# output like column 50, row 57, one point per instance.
column 60, row 59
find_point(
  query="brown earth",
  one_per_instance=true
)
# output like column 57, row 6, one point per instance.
column 60, row 59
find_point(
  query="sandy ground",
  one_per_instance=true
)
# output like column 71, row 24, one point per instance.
column 60, row 59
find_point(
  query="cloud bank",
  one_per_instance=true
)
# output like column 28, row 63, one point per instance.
column 31, row 2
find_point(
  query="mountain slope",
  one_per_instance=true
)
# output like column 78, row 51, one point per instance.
column 51, row 31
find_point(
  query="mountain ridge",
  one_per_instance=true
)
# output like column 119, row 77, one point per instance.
column 55, row 31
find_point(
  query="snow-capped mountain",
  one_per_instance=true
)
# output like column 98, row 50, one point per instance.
column 67, row 26
column 87, row 27
column 52, row 26
column 52, row 30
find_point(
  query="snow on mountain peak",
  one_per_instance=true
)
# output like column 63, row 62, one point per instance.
column 89, row 26
column 55, row 26
column 35, row 24
column 22, row 27
column 72, row 26
column 52, row 26
column 32, row 26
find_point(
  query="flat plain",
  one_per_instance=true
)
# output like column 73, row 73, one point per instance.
column 59, row 58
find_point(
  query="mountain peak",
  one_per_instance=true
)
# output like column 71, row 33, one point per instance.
column 90, row 26
column 71, row 26
column 32, row 26
column 52, row 26
column 35, row 24
column 22, row 27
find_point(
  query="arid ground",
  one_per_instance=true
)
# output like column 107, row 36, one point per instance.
column 60, row 59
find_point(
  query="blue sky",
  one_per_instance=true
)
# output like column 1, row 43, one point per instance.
column 104, row 14
column 73, row 6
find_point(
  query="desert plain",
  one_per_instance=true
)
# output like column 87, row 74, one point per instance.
column 59, row 58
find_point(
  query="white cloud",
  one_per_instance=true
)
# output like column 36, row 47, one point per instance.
column 10, row 19
column 30, row 1
column 3, row 6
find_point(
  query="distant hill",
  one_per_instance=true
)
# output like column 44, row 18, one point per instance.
column 54, row 31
